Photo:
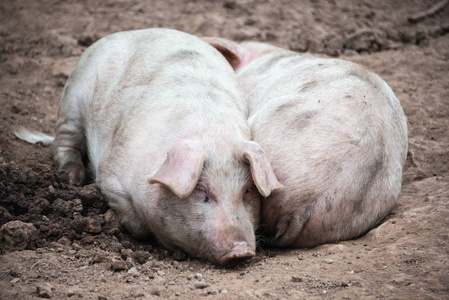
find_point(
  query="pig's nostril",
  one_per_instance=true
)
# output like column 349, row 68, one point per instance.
column 239, row 253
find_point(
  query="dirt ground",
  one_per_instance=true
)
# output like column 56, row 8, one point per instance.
column 61, row 242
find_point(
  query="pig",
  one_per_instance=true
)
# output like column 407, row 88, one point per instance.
column 161, row 119
column 335, row 135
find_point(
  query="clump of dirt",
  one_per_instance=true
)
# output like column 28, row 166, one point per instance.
column 59, row 241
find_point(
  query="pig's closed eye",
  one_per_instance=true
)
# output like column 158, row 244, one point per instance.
column 201, row 189
column 249, row 195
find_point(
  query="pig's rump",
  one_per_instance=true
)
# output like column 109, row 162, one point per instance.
column 336, row 137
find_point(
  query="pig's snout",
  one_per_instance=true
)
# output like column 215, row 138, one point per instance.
column 240, row 252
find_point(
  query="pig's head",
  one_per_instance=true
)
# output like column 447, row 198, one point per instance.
column 209, row 201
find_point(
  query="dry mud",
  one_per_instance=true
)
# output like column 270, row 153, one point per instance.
column 60, row 241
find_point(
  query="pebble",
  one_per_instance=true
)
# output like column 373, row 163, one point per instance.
column 110, row 219
column 92, row 226
column 15, row 280
column 161, row 273
column 139, row 294
column 70, row 293
column 133, row 271
column 141, row 257
column 44, row 291
column 199, row 276
column 200, row 285
column 328, row 261
column 126, row 253
column 118, row 265
column 76, row 246
column 296, row 278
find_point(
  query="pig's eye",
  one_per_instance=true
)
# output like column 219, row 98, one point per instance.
column 201, row 188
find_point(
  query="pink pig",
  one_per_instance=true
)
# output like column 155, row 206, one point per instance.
column 335, row 134
column 162, row 120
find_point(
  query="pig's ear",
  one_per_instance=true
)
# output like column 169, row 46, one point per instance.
column 182, row 168
column 232, row 51
column 261, row 170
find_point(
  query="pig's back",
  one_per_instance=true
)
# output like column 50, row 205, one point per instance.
column 337, row 139
column 139, row 79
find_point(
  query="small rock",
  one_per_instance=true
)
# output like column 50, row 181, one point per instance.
column 98, row 258
column 91, row 194
column 70, row 293
column 44, row 291
column 199, row 276
column 328, row 261
column 14, row 272
column 111, row 220
column 141, row 257
column 15, row 280
column 17, row 235
column 161, row 273
column 92, row 226
column 87, row 39
column 200, row 285
column 139, row 294
column 118, row 265
column 296, row 278
column 133, row 271
column 224, row 291
column 64, row 241
column 126, row 253
column 229, row 4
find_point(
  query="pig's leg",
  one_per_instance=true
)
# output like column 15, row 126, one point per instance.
column 69, row 146
column 289, row 227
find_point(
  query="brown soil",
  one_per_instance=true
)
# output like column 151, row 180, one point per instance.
column 62, row 242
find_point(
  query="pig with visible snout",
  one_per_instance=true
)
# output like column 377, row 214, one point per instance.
column 162, row 121
column 335, row 134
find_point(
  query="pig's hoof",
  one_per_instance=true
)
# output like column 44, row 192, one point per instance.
column 76, row 171
column 238, row 254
